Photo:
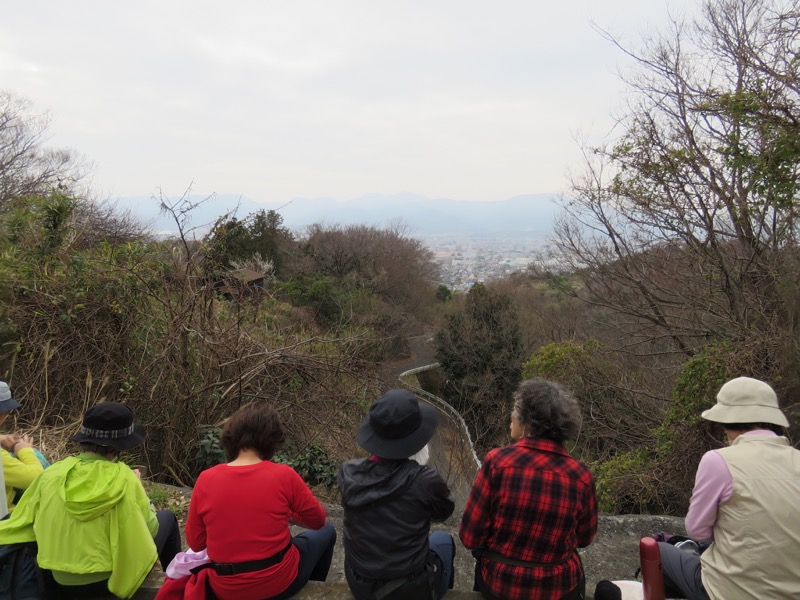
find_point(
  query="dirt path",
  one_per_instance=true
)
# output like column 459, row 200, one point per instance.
column 421, row 354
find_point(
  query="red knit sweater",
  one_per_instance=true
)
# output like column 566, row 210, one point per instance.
column 243, row 513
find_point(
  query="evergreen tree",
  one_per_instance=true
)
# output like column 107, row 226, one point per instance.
column 481, row 351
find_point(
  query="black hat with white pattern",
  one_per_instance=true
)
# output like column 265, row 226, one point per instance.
column 110, row 424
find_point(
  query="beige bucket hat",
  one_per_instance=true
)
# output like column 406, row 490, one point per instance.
column 746, row 400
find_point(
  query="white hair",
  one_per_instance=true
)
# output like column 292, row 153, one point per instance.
column 422, row 456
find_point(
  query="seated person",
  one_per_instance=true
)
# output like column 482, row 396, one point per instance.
column 240, row 514
column 745, row 499
column 3, row 505
column 389, row 502
column 532, row 505
column 90, row 515
column 21, row 465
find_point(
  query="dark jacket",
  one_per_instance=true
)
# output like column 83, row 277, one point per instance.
column 388, row 509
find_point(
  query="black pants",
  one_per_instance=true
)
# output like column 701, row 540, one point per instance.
column 168, row 538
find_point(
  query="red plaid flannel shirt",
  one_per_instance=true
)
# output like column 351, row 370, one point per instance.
column 531, row 501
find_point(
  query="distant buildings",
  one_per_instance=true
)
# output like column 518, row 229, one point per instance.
column 464, row 262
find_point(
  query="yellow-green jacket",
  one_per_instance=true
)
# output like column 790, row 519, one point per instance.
column 88, row 515
column 19, row 472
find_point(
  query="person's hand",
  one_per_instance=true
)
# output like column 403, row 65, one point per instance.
column 138, row 474
column 7, row 442
column 23, row 441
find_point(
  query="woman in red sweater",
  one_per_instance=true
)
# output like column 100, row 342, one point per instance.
column 240, row 513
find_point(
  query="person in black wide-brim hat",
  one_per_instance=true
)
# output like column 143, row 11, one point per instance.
column 95, row 528
column 389, row 501
column 397, row 426
column 109, row 427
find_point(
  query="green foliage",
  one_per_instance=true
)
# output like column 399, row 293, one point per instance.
column 260, row 234
column 164, row 498
column 89, row 314
column 209, row 450
column 329, row 298
column 313, row 464
column 481, row 351
column 622, row 484
column 697, row 385
column 269, row 237
column 55, row 214
column 558, row 282
column 660, row 479
column 560, row 361
column 158, row 495
column 443, row 294
column 386, row 263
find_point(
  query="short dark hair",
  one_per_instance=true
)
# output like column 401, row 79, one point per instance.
column 104, row 451
column 547, row 410
column 255, row 426
column 777, row 429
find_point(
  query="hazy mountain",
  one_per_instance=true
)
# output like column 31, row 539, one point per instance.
column 521, row 216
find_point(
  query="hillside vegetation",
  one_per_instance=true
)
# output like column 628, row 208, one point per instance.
column 675, row 263
column 186, row 330
column 673, row 267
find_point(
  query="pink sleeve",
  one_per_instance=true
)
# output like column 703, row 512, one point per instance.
column 713, row 485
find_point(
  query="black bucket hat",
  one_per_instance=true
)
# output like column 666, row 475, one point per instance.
column 110, row 424
column 7, row 402
column 397, row 426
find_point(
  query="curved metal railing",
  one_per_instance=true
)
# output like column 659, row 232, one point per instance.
column 441, row 404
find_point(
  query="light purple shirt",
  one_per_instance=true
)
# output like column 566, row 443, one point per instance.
column 713, row 485
column 184, row 562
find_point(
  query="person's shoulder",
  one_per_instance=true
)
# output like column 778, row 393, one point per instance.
column 503, row 455
column 501, row 452
column 278, row 471
column 279, row 467
column 424, row 471
column 354, row 465
column 582, row 469
column 64, row 464
column 211, row 473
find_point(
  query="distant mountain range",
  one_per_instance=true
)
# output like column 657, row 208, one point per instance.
column 529, row 216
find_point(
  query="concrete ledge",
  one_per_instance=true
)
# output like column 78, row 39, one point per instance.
column 314, row 590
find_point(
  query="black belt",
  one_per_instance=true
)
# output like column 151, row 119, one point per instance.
column 515, row 562
column 249, row 566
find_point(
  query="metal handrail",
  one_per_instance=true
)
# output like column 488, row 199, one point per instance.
column 438, row 402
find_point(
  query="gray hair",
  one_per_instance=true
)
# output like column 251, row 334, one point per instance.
column 547, row 410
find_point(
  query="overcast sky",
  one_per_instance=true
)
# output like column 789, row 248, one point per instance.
column 338, row 98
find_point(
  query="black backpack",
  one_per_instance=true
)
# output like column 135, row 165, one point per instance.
column 20, row 575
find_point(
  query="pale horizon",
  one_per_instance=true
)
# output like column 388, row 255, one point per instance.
column 459, row 100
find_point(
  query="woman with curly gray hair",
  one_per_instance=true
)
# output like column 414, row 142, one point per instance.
column 532, row 505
